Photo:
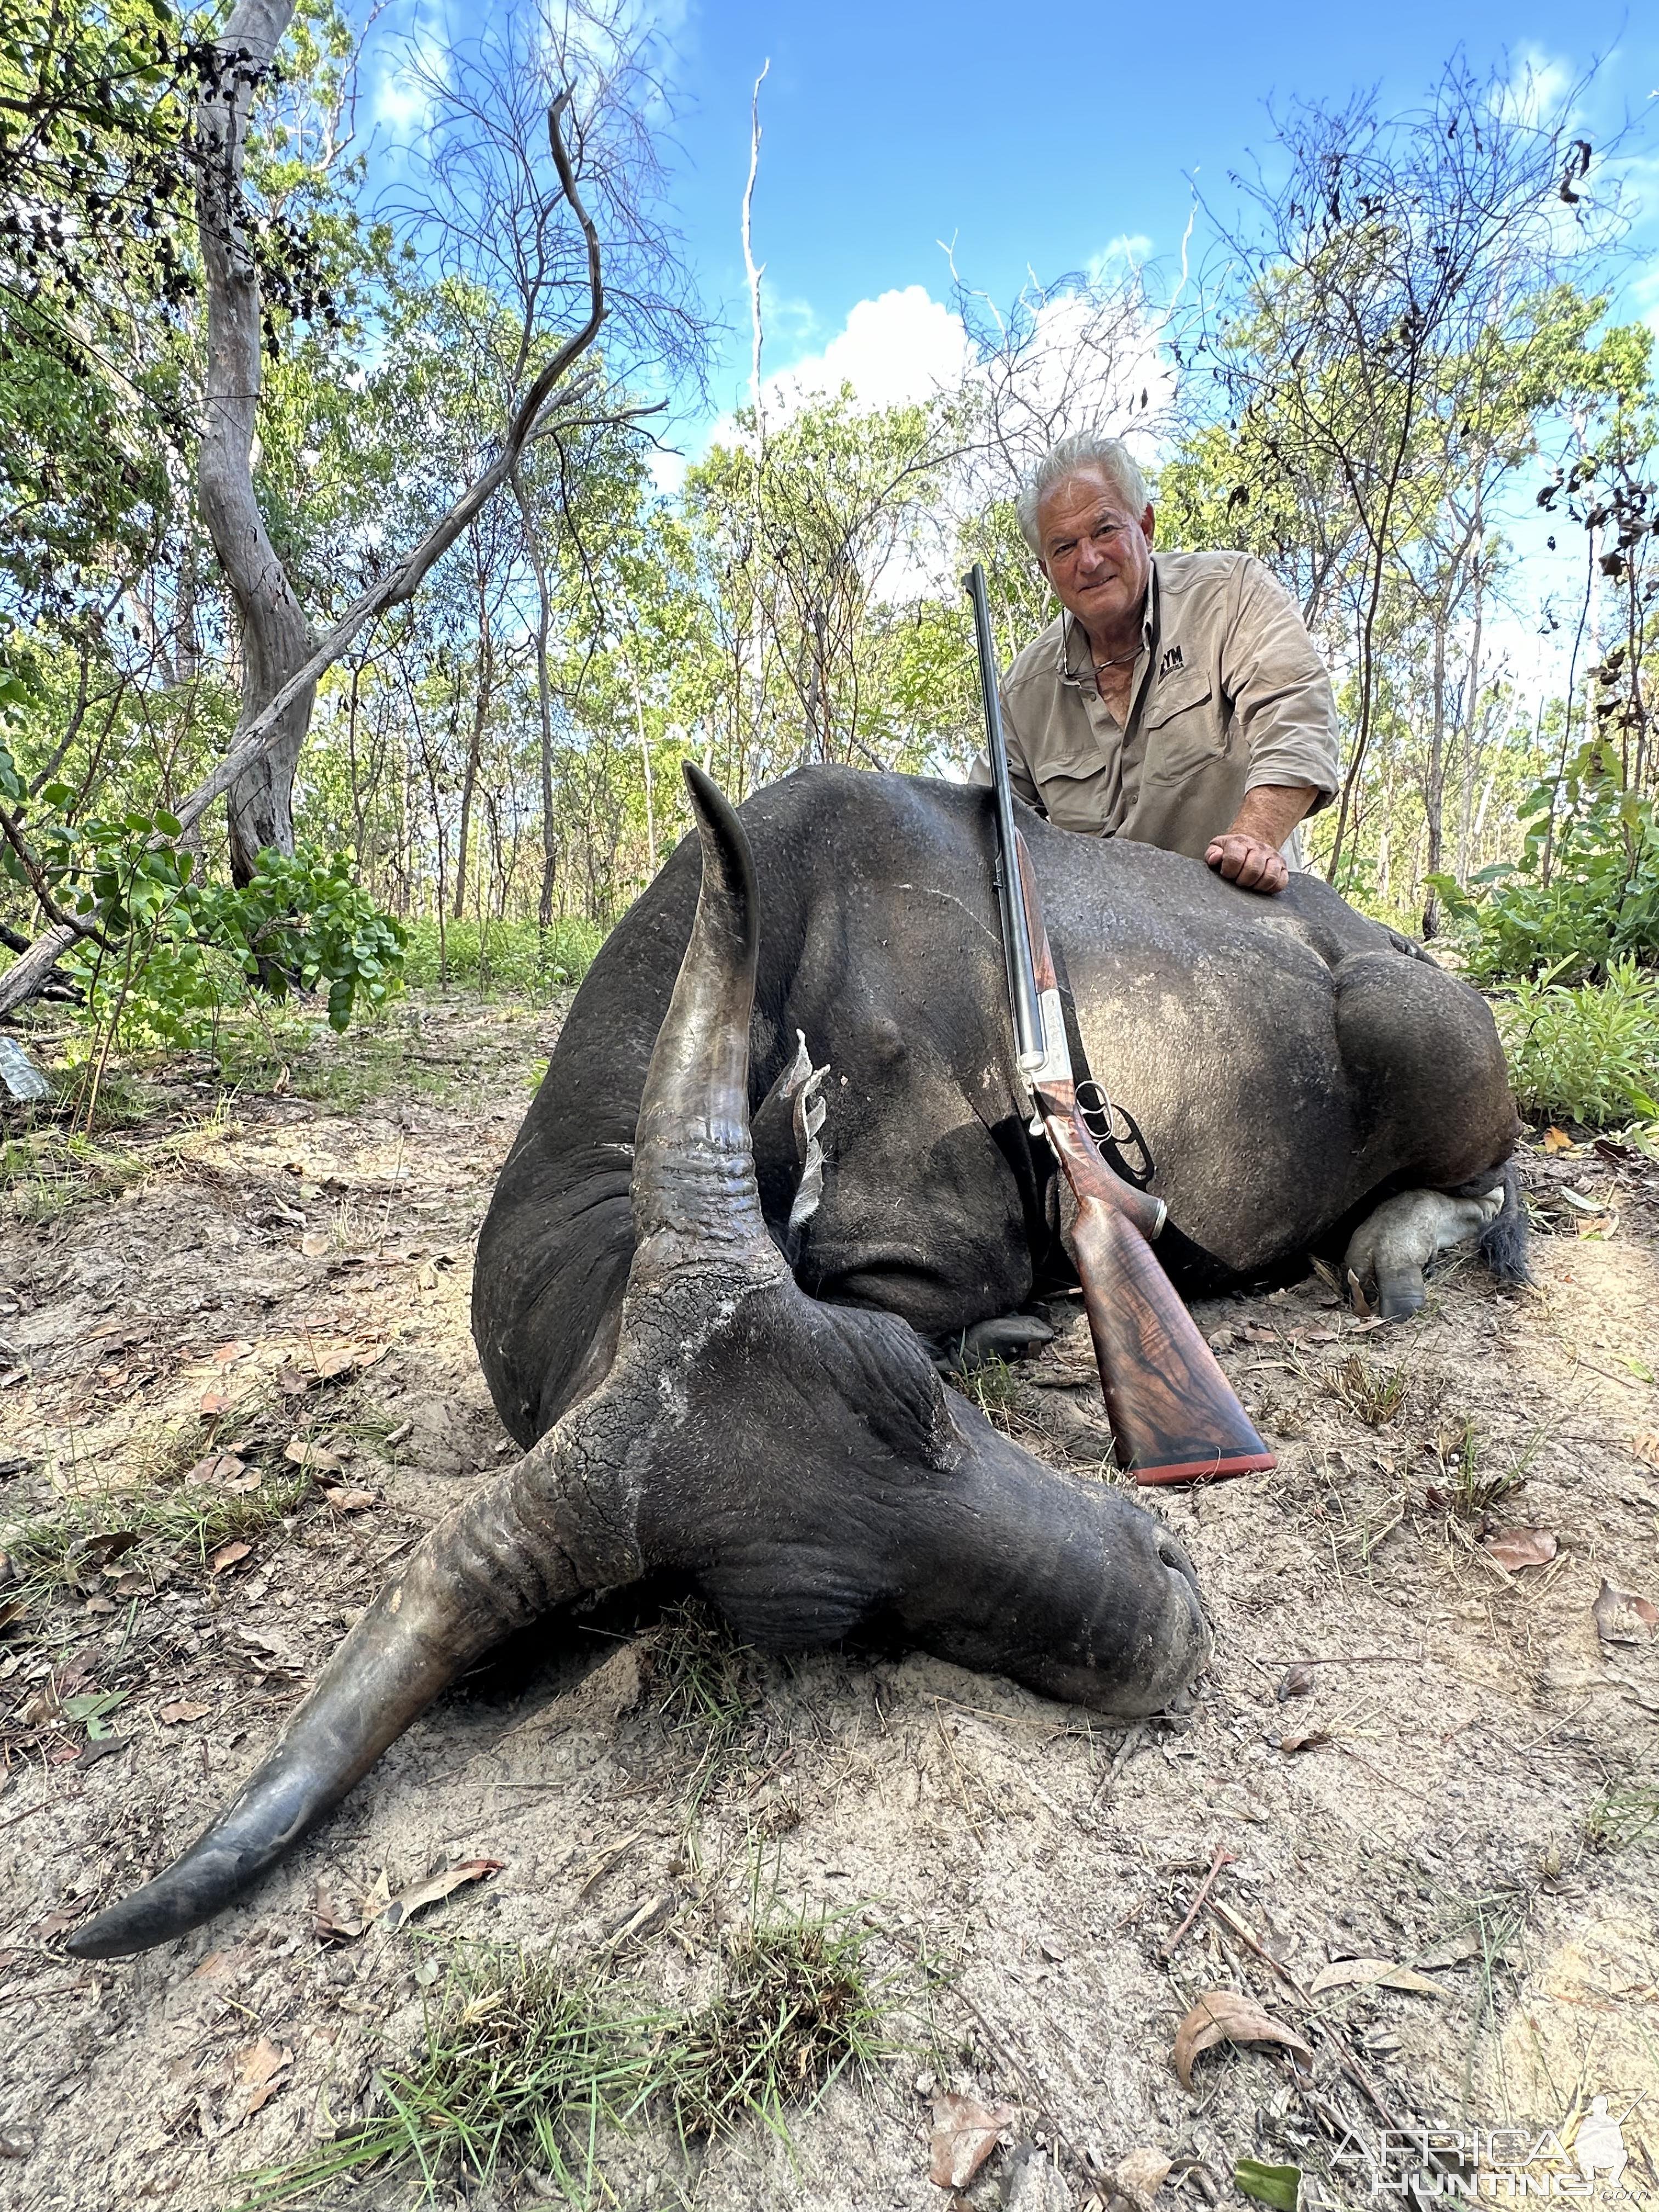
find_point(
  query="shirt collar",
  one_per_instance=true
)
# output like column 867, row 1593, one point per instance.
column 1076, row 661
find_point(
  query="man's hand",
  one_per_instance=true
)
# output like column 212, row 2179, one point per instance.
column 1251, row 862
column 1248, row 854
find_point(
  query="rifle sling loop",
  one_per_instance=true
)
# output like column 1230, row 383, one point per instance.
column 1127, row 1153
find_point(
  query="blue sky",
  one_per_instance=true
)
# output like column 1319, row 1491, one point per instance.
column 1037, row 132
column 1039, row 137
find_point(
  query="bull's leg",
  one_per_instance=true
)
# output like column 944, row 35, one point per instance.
column 1388, row 1251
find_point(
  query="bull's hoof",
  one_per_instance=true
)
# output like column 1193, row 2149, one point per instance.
column 1399, row 1298
column 1009, row 1336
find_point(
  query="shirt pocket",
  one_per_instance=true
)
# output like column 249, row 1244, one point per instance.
column 1074, row 793
column 1184, row 733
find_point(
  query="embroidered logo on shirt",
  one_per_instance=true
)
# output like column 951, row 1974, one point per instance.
column 1170, row 663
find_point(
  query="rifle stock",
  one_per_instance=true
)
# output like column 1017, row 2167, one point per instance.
column 1174, row 1414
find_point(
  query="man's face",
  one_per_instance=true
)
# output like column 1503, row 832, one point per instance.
column 1096, row 552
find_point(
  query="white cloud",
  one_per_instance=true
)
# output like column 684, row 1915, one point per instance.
column 667, row 468
column 403, row 90
column 1135, row 250
column 900, row 348
column 1539, row 84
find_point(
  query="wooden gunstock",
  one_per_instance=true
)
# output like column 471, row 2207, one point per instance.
column 1173, row 1415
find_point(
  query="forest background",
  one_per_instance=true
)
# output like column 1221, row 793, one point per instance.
column 338, row 478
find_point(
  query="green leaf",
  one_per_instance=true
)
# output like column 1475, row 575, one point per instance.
column 92, row 1704
column 1268, row 2184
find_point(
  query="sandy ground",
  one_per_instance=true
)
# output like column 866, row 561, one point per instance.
column 1450, row 1785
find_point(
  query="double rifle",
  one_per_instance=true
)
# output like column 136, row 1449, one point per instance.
column 1173, row 1416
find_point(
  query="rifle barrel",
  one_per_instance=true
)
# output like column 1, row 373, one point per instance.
column 1028, row 1039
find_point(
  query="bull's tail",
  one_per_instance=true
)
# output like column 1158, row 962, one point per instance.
column 1503, row 1239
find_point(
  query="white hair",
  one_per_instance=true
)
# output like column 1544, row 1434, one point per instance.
column 1085, row 449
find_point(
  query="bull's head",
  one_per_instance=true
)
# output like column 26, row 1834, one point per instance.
column 800, row 1464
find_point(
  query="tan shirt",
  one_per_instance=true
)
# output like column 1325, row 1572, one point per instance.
column 1228, row 692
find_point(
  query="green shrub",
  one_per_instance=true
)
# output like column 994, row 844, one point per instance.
column 514, row 956
column 1601, row 902
column 1588, row 1053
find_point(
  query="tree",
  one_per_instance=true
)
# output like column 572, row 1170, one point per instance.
column 1376, row 278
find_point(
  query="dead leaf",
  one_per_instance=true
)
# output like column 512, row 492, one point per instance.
column 228, row 1555
column 1646, row 1448
column 335, row 1917
column 1356, row 1298
column 964, row 2136
column 1297, row 1683
column 1622, row 1617
column 278, row 1652
column 315, row 1243
column 214, row 1402
column 350, row 1501
column 258, row 2072
column 1310, row 1741
column 1372, row 1973
column 1140, row 2174
column 238, row 1349
column 1225, row 2016
column 437, row 1884
column 317, row 1457
column 1515, row 1548
column 1557, row 1140
column 170, row 1716
column 216, row 1467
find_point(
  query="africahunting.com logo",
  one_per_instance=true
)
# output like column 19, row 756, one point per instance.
column 1587, row 2160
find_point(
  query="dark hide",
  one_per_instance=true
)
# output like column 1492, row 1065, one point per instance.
column 1290, row 1062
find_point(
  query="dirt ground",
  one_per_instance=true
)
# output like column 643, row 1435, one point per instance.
column 1461, row 1781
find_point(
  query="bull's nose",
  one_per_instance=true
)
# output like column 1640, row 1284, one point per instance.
column 1172, row 1556
column 1173, row 1553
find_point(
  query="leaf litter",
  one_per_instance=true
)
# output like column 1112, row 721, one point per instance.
column 1228, row 2016
column 1392, row 1794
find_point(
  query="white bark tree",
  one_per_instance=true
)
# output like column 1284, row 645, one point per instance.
column 277, row 639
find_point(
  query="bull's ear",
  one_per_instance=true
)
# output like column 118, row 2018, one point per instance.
column 693, row 1191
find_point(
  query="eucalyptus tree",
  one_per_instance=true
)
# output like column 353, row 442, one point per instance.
column 1370, row 277
column 824, row 528
column 483, row 207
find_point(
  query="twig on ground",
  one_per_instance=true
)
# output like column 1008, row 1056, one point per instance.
column 1223, row 1857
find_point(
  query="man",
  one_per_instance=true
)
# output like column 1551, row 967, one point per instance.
column 1177, row 698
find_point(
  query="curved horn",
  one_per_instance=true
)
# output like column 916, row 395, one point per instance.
column 536, row 1536
column 694, row 1186
column 541, row 1533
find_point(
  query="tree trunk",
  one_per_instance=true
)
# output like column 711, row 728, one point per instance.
column 474, row 754
column 1434, row 783
column 645, row 765
column 276, row 639
column 544, row 702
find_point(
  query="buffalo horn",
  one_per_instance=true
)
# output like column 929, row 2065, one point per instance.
column 534, row 1537
column 694, row 1194
column 558, row 1523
